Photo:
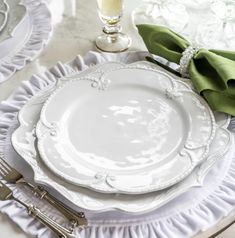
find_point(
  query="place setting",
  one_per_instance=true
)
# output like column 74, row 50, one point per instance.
column 123, row 144
column 25, row 28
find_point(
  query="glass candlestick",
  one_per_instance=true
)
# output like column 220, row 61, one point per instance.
column 112, row 39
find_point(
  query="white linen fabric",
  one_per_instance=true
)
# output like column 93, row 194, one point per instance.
column 40, row 18
column 195, row 210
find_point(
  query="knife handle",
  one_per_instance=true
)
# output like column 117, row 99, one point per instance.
column 75, row 218
column 61, row 231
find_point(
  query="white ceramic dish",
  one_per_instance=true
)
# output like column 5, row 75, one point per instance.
column 23, row 35
column 12, row 14
column 4, row 9
column 23, row 140
column 130, row 130
column 15, row 26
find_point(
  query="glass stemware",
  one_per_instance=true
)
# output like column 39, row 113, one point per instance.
column 112, row 39
column 224, row 10
column 217, row 30
column 170, row 13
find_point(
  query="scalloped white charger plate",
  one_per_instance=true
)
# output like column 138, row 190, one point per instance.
column 130, row 130
column 23, row 140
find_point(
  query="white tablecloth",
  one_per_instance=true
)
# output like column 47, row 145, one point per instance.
column 185, row 216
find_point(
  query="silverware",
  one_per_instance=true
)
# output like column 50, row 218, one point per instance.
column 166, row 67
column 7, row 194
column 11, row 175
column 222, row 230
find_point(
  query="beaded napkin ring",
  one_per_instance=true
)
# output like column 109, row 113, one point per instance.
column 187, row 55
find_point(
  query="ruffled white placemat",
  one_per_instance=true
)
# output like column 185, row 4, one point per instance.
column 195, row 210
column 40, row 18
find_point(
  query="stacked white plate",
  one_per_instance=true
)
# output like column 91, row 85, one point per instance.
column 121, row 137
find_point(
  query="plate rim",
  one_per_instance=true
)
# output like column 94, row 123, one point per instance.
column 38, row 35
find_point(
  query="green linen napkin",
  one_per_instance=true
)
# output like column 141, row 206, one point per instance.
column 211, row 71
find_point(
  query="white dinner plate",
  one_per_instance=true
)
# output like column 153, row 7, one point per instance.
column 24, row 143
column 23, row 140
column 130, row 130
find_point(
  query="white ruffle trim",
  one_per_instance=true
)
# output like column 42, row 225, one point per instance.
column 185, row 222
column 41, row 30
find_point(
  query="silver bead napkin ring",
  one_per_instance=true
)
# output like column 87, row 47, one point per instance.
column 187, row 55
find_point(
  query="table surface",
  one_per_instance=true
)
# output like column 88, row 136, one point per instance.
column 76, row 24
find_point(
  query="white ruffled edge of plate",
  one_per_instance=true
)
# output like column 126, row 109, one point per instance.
column 184, row 224
column 42, row 28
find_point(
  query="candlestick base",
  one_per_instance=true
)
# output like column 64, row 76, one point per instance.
column 116, row 42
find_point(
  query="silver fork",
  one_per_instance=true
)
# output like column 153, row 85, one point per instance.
column 7, row 194
column 11, row 175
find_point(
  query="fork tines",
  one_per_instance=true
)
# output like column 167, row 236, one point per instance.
column 4, row 167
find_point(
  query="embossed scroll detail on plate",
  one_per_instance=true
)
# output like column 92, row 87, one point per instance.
column 143, row 132
column 23, row 140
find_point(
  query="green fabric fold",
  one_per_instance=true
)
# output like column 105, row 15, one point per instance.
column 211, row 71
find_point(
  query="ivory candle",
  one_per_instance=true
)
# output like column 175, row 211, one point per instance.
column 110, row 7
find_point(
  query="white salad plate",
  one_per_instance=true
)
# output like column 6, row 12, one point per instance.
column 129, row 130
column 24, row 142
